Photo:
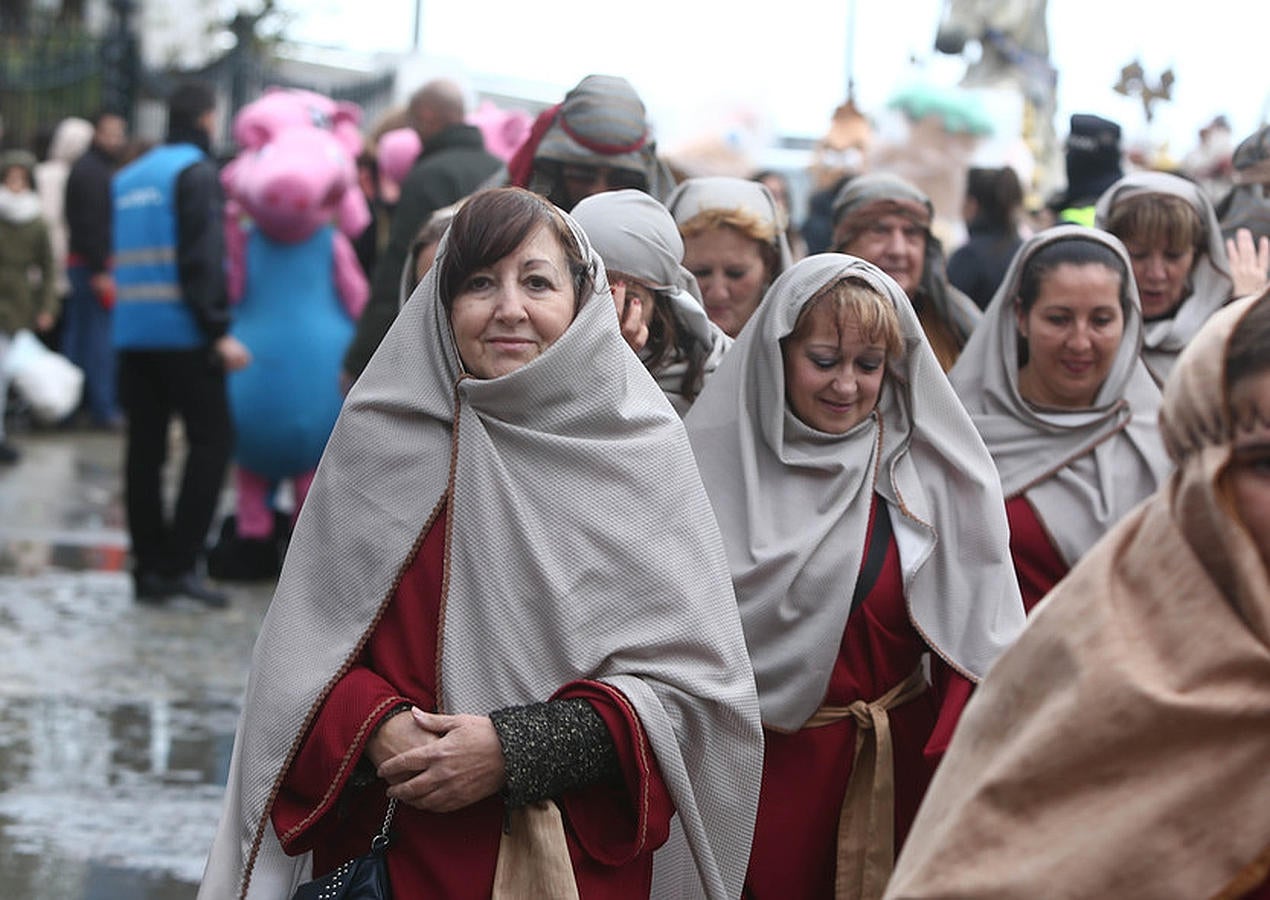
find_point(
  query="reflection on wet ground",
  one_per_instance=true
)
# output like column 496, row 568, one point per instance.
column 116, row 720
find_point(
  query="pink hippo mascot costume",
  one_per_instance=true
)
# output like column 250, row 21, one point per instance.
column 299, row 291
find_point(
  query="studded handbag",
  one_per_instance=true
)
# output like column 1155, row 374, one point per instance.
column 362, row 878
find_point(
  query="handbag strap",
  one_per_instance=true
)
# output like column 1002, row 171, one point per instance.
column 380, row 841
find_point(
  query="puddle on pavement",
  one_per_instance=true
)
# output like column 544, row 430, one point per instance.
column 116, row 727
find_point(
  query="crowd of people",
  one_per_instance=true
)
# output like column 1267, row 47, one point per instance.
column 650, row 554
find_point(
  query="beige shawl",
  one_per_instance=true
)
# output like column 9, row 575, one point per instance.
column 1120, row 747
column 581, row 546
column 1211, row 284
column 635, row 235
column 793, row 503
column 1081, row 470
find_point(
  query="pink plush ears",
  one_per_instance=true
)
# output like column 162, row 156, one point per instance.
column 396, row 152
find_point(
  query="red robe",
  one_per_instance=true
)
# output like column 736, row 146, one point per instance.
column 612, row 831
column 805, row 773
column 1036, row 561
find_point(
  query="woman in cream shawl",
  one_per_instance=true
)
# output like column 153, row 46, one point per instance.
column 643, row 254
column 1074, row 455
column 857, row 555
column 734, row 244
column 1179, row 258
column 1119, row 748
column 574, row 554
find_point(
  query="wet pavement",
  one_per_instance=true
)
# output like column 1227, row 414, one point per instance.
column 116, row 720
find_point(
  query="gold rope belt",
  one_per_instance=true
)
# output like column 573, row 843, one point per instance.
column 866, row 825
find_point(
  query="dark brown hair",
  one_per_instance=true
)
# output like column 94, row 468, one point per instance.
column 1159, row 220
column 492, row 224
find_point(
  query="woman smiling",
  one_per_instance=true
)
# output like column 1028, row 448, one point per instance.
column 1055, row 385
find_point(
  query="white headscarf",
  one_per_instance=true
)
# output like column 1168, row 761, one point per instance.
column 1210, row 281
column 697, row 195
column 581, row 546
column 1082, row 470
column 635, row 235
column 794, row 503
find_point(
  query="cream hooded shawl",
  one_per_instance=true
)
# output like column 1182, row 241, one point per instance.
column 635, row 235
column 1081, row 470
column 794, row 503
column 696, row 195
column 1120, row 748
column 1210, row 285
column 581, row 546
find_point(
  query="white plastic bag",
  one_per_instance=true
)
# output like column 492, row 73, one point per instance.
column 50, row 383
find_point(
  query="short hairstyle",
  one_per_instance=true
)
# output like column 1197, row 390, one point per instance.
column 873, row 311
column 493, row 223
column 1077, row 251
column 188, row 103
column 443, row 97
column 744, row 222
column 1246, row 355
column 1158, row 220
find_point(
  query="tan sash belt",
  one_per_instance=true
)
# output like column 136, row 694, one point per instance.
column 533, row 856
column 866, row 825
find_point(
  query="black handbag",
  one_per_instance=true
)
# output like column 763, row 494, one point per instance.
column 362, row 878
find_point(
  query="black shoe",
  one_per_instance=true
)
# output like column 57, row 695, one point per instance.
column 191, row 586
column 9, row 454
column 150, row 588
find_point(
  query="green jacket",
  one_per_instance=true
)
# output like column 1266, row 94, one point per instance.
column 27, row 282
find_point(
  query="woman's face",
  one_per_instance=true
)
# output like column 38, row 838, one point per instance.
column 1073, row 332
column 833, row 374
column 508, row 314
column 730, row 271
column 1248, row 475
column 1161, row 274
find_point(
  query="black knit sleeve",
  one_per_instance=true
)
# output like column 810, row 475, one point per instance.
column 550, row 748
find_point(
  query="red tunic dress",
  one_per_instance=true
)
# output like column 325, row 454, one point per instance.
column 805, row 773
column 1036, row 561
column 612, row 831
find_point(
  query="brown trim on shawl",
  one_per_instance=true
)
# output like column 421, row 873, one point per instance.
column 325, row 692
column 1251, row 878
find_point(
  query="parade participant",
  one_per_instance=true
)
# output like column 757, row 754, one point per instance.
column 886, row 220
column 1179, row 258
column 28, row 287
column 1119, row 747
column 465, row 624
column 734, row 244
column 1055, row 384
column 994, row 200
column 71, row 138
column 866, row 535
column 1247, row 204
column 657, row 299
column 597, row 139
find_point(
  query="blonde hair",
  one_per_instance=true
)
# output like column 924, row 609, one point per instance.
column 873, row 312
column 745, row 223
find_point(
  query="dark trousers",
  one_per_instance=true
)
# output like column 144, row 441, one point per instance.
column 154, row 385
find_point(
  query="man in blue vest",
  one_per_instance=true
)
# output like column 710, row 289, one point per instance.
column 171, row 320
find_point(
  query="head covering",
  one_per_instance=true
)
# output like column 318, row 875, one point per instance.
column 864, row 198
column 1092, row 159
column 22, row 159
column 635, row 235
column 694, row 196
column 1210, row 283
column 794, row 502
column 1119, row 747
column 602, row 121
column 71, row 138
column 1247, row 205
column 1081, row 470
column 547, row 472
